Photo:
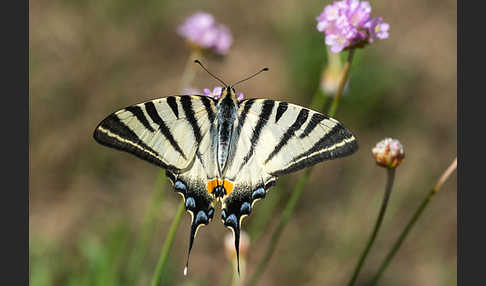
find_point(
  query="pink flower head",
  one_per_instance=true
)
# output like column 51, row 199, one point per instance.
column 378, row 28
column 348, row 23
column 202, row 30
column 217, row 91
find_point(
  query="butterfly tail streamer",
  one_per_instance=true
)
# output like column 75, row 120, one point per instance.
column 191, row 241
column 237, row 248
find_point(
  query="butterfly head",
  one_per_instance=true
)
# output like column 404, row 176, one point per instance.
column 228, row 93
column 228, row 90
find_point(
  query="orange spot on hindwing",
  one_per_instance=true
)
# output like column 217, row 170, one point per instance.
column 212, row 184
column 228, row 186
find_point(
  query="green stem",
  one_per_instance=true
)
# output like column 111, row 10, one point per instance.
column 289, row 208
column 342, row 83
column 164, row 255
column 187, row 78
column 381, row 215
column 148, row 226
column 190, row 69
column 412, row 222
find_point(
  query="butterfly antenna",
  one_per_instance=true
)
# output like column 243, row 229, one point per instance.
column 255, row 74
column 217, row 78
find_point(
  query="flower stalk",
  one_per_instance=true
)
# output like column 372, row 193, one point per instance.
column 186, row 80
column 413, row 220
column 149, row 222
column 190, row 68
column 342, row 83
column 290, row 206
column 164, row 255
column 381, row 215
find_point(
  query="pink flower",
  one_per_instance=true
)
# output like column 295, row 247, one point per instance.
column 348, row 23
column 216, row 93
column 202, row 30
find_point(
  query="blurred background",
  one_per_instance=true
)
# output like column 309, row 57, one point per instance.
column 99, row 216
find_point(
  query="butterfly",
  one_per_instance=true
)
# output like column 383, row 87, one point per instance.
column 224, row 149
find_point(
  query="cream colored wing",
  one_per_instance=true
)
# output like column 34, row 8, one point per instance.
column 165, row 131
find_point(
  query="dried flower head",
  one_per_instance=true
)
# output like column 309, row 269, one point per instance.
column 202, row 31
column 216, row 93
column 388, row 153
column 348, row 24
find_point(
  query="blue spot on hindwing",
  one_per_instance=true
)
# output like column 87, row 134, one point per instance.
column 190, row 203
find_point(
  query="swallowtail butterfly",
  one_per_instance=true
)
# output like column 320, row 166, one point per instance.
column 224, row 149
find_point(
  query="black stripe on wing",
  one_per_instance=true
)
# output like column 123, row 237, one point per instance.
column 264, row 115
column 172, row 102
column 282, row 107
column 338, row 142
column 154, row 115
column 112, row 132
column 299, row 121
column 138, row 113
column 209, row 109
column 315, row 120
column 244, row 113
column 186, row 102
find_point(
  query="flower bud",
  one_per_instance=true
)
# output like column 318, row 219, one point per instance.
column 388, row 153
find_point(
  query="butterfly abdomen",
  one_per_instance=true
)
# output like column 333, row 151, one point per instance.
column 226, row 116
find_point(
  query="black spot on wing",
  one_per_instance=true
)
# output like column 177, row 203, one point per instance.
column 171, row 101
column 138, row 113
column 282, row 107
column 299, row 121
column 154, row 115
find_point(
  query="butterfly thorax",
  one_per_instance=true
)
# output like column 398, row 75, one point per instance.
column 226, row 117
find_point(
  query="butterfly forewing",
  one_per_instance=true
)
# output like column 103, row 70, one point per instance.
column 164, row 131
column 278, row 138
